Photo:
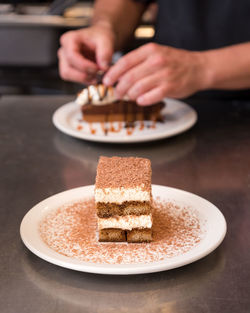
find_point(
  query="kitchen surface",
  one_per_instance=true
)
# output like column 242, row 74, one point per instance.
column 210, row 160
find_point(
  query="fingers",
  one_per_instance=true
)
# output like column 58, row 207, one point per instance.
column 126, row 63
column 73, row 66
column 143, row 85
column 104, row 52
column 152, row 96
column 84, row 52
column 72, row 44
column 129, row 81
column 150, row 89
column 77, row 61
column 68, row 72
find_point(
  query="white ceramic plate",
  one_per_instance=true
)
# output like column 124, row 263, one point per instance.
column 178, row 117
column 208, row 214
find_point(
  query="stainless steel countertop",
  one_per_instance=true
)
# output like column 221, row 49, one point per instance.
column 211, row 160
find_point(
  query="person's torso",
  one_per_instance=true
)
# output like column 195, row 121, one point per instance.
column 202, row 24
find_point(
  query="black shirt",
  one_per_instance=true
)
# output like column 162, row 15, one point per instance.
column 202, row 24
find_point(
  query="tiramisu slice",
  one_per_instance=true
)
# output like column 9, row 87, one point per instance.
column 123, row 199
column 99, row 104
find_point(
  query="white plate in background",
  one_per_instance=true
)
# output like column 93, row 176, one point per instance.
column 178, row 118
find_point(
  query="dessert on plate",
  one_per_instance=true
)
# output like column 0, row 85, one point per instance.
column 123, row 199
column 99, row 104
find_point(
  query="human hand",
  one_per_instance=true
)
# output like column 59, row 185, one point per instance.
column 152, row 72
column 83, row 52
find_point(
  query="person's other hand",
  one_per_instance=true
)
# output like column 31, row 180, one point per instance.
column 83, row 52
column 152, row 72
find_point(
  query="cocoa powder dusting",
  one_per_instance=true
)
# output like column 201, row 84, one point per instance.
column 127, row 172
column 71, row 230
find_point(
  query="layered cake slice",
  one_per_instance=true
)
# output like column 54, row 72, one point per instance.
column 123, row 199
column 99, row 104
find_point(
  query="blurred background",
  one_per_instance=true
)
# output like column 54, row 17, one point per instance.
column 29, row 37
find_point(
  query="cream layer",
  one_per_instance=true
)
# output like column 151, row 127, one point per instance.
column 120, row 195
column 127, row 222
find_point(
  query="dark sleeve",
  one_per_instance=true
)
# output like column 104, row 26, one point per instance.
column 145, row 1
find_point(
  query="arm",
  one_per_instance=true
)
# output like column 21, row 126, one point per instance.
column 153, row 72
column 83, row 52
column 121, row 16
column 228, row 68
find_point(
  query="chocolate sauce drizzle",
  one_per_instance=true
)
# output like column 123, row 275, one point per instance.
column 108, row 127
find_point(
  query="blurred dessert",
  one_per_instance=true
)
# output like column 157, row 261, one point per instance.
column 123, row 199
column 99, row 104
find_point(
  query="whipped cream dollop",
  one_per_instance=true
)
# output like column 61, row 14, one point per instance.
column 96, row 95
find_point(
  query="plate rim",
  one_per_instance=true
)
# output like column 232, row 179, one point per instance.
column 115, row 269
column 125, row 140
